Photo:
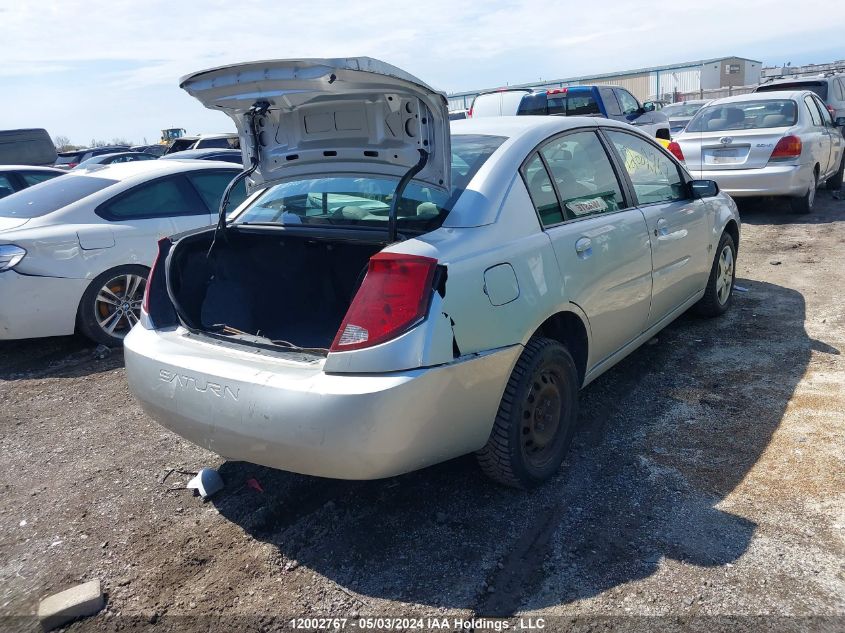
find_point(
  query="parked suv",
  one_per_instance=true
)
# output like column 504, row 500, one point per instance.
column 830, row 88
column 69, row 160
column 611, row 102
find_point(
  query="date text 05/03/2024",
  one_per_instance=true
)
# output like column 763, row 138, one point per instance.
column 422, row 624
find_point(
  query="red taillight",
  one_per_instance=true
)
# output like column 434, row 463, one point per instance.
column 469, row 113
column 557, row 91
column 145, row 304
column 675, row 149
column 787, row 147
column 72, row 165
column 832, row 111
column 394, row 297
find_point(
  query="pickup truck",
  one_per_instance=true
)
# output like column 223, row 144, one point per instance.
column 611, row 102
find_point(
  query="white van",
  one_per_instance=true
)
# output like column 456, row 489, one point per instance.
column 504, row 102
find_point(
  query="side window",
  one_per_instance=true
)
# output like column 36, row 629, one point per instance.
column 814, row 111
column 840, row 89
column 161, row 198
column 584, row 177
column 34, row 177
column 655, row 176
column 542, row 192
column 611, row 104
column 627, row 101
column 212, row 185
column 824, row 112
column 6, row 188
column 581, row 104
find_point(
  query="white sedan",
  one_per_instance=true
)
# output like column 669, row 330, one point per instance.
column 75, row 251
column 394, row 294
column 780, row 143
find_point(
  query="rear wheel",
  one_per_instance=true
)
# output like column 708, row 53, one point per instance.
column 805, row 203
column 835, row 181
column 536, row 419
column 112, row 304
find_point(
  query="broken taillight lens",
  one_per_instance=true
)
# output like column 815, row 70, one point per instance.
column 393, row 297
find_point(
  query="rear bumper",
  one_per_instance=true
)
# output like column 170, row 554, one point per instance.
column 294, row 417
column 32, row 306
column 772, row 180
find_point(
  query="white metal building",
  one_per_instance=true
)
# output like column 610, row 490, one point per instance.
column 663, row 82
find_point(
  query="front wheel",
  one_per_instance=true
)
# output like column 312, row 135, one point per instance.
column 112, row 304
column 717, row 297
column 536, row 419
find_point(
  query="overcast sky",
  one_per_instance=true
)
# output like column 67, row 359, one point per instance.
column 105, row 69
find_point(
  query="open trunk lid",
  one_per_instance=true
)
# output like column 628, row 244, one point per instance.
column 324, row 117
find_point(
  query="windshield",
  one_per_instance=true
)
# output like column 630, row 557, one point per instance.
column 365, row 200
column 745, row 115
column 681, row 110
column 51, row 195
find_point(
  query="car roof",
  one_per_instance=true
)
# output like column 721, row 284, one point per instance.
column 203, row 151
column 793, row 80
column 31, row 168
column 516, row 126
column 762, row 96
column 146, row 169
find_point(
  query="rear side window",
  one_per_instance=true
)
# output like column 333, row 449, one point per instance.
column 840, row 90
column 51, row 196
column 6, row 188
column 160, row 198
column 656, row 178
column 542, row 193
column 584, row 177
column 814, row 111
column 535, row 104
column 67, row 159
column 573, row 103
column 34, row 177
column 212, row 185
column 823, row 112
column 218, row 143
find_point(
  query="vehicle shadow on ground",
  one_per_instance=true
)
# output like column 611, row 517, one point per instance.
column 55, row 357
column 776, row 211
column 666, row 436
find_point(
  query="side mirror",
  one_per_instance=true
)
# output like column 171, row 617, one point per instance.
column 648, row 106
column 839, row 121
column 704, row 188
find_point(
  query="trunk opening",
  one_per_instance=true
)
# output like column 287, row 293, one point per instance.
column 291, row 290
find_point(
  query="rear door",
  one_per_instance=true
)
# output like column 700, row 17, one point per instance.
column 834, row 136
column 678, row 226
column 820, row 141
column 599, row 237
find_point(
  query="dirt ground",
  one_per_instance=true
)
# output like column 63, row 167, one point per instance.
column 705, row 491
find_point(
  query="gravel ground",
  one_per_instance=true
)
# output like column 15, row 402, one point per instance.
column 705, row 491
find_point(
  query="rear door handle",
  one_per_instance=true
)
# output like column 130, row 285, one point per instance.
column 584, row 247
column 662, row 228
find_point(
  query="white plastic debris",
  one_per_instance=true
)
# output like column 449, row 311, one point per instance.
column 207, row 482
column 740, row 288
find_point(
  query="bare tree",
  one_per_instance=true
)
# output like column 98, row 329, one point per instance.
column 63, row 143
column 119, row 140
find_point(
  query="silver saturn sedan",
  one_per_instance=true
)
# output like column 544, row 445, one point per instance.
column 766, row 144
column 393, row 294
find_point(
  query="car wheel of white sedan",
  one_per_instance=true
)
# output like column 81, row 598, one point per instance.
column 111, row 305
column 805, row 203
column 536, row 419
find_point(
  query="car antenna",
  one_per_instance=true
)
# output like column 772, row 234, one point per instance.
column 400, row 189
column 259, row 108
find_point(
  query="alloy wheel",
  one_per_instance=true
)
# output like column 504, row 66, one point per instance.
column 118, row 304
column 724, row 279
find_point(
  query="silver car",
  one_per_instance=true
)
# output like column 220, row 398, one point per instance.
column 392, row 295
column 766, row 144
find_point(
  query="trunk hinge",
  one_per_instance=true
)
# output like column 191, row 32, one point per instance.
column 259, row 108
column 397, row 195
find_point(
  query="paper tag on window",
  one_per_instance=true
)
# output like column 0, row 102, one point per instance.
column 586, row 207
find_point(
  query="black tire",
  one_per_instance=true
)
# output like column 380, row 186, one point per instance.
column 807, row 202
column 714, row 303
column 835, row 182
column 95, row 315
column 524, row 449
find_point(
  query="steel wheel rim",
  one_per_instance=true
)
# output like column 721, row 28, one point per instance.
column 725, row 275
column 542, row 412
column 117, row 306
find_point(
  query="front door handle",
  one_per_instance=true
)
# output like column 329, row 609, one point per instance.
column 662, row 228
column 584, row 247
